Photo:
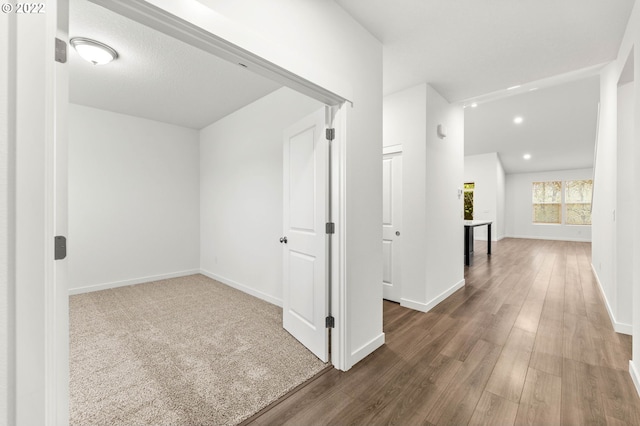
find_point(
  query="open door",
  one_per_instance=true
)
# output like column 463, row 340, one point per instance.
column 304, row 240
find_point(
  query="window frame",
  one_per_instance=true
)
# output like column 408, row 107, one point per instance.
column 560, row 203
column 563, row 204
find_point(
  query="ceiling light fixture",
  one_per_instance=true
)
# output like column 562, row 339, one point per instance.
column 527, row 156
column 473, row 105
column 513, row 87
column 518, row 120
column 93, row 51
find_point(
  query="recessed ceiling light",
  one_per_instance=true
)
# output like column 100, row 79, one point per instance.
column 93, row 51
column 527, row 156
column 533, row 88
column 513, row 87
column 517, row 120
column 473, row 105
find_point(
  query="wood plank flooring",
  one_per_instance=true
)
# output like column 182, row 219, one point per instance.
column 526, row 341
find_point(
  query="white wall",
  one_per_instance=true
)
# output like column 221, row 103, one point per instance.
column 501, row 196
column 485, row 170
column 444, row 168
column 7, row 223
column 604, row 192
column 519, row 207
column 617, row 137
column 617, row 165
column 432, row 265
column 133, row 200
column 241, row 193
column 632, row 36
column 404, row 123
column 614, row 212
column 626, row 216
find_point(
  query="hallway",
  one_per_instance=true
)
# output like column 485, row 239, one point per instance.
column 527, row 341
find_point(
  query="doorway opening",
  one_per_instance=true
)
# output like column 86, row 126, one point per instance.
column 392, row 223
column 212, row 256
column 468, row 200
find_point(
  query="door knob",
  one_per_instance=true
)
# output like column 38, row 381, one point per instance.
column 283, row 240
column 397, row 233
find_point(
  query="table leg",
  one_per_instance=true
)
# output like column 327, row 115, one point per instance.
column 472, row 240
column 489, row 240
column 467, row 254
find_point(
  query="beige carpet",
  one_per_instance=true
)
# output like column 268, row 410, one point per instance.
column 184, row 351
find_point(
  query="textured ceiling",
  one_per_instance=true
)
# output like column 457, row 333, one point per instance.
column 558, row 128
column 156, row 76
column 468, row 48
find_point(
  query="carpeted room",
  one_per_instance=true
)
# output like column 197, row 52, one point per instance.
column 165, row 185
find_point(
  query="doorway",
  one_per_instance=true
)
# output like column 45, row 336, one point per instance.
column 468, row 200
column 135, row 189
column 392, row 223
column 334, row 113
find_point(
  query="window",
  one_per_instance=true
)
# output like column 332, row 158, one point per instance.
column 549, row 204
column 468, row 200
column 577, row 202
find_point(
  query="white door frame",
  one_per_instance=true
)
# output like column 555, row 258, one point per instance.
column 50, row 406
column 37, row 389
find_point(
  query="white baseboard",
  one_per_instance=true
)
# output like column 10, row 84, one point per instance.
column 231, row 283
column 617, row 326
column 633, row 371
column 140, row 280
column 366, row 349
column 541, row 237
column 426, row 307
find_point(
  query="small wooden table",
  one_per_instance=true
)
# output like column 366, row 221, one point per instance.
column 468, row 238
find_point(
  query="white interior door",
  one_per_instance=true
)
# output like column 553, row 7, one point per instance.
column 304, row 239
column 391, row 225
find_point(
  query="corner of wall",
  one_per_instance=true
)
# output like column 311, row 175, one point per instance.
column 617, row 326
column 427, row 306
column 366, row 349
column 246, row 289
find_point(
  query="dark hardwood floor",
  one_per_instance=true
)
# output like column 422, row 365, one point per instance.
column 526, row 341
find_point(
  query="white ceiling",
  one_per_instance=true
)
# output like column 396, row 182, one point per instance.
column 467, row 48
column 473, row 50
column 155, row 76
column 558, row 128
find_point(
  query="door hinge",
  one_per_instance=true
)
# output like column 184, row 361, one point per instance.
column 331, row 134
column 330, row 322
column 60, row 247
column 61, row 51
column 331, row 228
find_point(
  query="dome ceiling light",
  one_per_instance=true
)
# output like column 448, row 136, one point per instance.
column 93, row 51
